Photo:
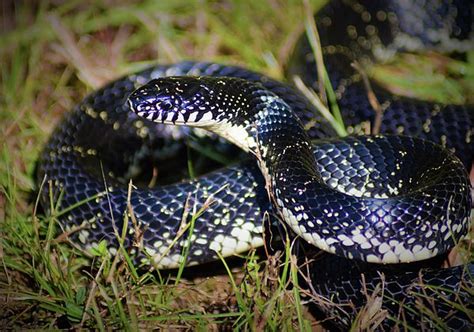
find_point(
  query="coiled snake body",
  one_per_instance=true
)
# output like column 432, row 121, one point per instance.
column 389, row 199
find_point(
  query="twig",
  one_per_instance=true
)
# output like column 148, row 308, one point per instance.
column 138, row 232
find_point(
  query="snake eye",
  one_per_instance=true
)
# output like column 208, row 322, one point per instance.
column 165, row 105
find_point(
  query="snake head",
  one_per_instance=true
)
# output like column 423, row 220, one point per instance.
column 180, row 100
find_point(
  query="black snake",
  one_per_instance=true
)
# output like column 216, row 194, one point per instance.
column 379, row 199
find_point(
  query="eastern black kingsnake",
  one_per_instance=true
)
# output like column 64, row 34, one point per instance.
column 102, row 135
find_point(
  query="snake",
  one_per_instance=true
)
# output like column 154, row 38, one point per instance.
column 391, row 199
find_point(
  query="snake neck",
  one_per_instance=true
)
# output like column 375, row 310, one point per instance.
column 244, row 112
column 268, row 128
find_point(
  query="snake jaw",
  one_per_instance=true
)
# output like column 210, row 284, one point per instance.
column 174, row 100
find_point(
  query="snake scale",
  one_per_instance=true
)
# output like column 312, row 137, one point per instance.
column 378, row 199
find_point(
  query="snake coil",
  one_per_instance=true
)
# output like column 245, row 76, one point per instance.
column 387, row 199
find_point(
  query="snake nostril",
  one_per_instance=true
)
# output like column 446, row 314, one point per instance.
column 135, row 101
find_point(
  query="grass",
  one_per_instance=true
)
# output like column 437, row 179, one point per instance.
column 52, row 54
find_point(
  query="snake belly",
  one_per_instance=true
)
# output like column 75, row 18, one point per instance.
column 101, row 134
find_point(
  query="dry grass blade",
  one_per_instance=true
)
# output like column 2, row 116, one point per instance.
column 89, row 74
column 316, row 101
column 316, row 46
column 372, row 98
column 371, row 316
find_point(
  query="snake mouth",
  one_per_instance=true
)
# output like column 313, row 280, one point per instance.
column 157, row 107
